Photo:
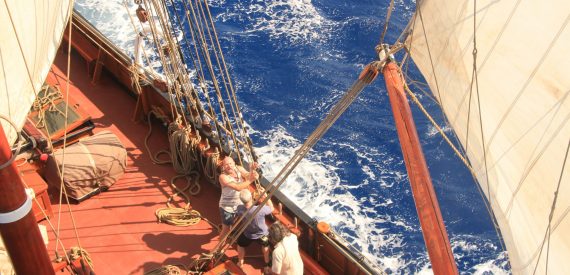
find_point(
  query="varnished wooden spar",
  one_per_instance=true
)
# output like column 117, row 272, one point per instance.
column 433, row 229
column 22, row 238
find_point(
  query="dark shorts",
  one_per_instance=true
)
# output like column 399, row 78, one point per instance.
column 227, row 217
column 244, row 241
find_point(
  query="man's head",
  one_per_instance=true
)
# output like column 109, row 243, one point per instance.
column 245, row 196
column 277, row 232
column 228, row 164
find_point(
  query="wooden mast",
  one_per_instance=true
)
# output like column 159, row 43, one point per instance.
column 433, row 229
column 22, row 237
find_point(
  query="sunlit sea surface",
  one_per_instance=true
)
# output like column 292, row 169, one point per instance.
column 291, row 61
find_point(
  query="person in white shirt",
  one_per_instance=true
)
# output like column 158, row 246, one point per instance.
column 286, row 257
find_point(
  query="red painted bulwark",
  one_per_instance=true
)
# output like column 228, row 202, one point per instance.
column 433, row 229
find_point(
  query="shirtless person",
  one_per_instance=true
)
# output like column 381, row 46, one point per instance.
column 233, row 179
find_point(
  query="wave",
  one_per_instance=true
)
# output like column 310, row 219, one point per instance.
column 367, row 212
column 113, row 20
column 382, row 236
column 317, row 189
column 297, row 21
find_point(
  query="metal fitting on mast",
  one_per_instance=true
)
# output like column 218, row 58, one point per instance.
column 384, row 55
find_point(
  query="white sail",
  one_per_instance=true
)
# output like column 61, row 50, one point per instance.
column 30, row 36
column 523, row 62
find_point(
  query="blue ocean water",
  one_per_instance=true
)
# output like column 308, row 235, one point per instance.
column 291, row 61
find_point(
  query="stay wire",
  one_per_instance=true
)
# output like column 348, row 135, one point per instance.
column 463, row 153
column 181, row 25
column 208, row 60
column 179, row 78
column 548, row 232
column 237, row 113
column 388, row 14
column 300, row 153
column 227, row 121
column 201, row 81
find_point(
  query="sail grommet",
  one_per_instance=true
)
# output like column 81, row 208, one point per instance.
column 19, row 213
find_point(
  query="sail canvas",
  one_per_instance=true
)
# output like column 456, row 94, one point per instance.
column 31, row 34
column 511, row 116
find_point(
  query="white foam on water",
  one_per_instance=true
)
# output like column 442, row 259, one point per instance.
column 495, row 266
column 118, row 22
column 434, row 132
column 297, row 21
column 112, row 19
column 474, row 247
column 316, row 188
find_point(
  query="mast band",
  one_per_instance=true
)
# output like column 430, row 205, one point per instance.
column 19, row 213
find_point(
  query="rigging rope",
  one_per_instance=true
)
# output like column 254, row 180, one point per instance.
column 63, row 191
column 154, row 157
column 230, row 89
column 183, row 157
column 80, row 253
column 177, row 77
column 210, row 168
column 365, row 78
column 201, row 25
column 439, row 129
column 225, row 118
column 201, row 76
column 548, row 232
column 56, row 232
column 388, row 15
column 457, row 151
column 479, row 100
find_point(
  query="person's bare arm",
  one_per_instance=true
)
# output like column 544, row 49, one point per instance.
column 247, row 174
column 269, row 202
column 226, row 180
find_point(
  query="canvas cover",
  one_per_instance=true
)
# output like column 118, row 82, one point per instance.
column 91, row 165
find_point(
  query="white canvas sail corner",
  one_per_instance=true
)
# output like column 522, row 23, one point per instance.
column 30, row 36
column 521, row 128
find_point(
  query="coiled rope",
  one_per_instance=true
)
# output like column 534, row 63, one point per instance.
column 178, row 216
column 80, row 253
column 183, row 158
column 210, row 168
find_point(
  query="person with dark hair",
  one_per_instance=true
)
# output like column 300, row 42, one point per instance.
column 256, row 230
column 286, row 257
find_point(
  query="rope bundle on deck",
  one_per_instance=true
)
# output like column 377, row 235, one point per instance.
column 178, row 216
